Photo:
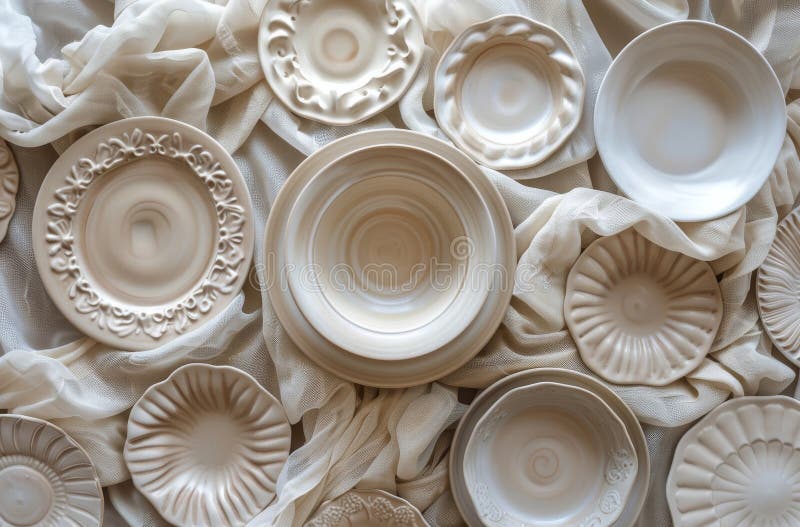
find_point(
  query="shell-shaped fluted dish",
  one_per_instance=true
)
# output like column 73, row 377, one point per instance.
column 778, row 288
column 549, row 455
column 206, row 445
column 639, row 313
column 367, row 508
column 46, row 478
column 739, row 466
column 9, row 183
column 509, row 91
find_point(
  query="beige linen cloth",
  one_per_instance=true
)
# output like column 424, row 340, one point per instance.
column 66, row 66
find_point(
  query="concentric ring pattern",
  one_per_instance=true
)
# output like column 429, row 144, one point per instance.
column 639, row 313
column 206, row 446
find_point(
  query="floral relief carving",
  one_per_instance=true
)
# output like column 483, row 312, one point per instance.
column 621, row 466
column 385, row 510
column 9, row 183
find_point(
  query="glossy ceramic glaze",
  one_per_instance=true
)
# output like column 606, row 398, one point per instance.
column 367, row 508
column 46, row 478
column 639, row 313
column 509, row 91
column 394, row 372
column 738, row 466
column 206, row 445
column 778, row 288
column 340, row 61
column 689, row 120
column 486, row 399
column 143, row 230
column 9, row 183
column 550, row 455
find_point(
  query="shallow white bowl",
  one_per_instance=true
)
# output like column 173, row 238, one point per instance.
column 689, row 120
column 549, row 455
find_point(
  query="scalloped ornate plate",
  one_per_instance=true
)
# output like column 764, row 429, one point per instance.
column 509, row 91
column 486, row 399
column 778, row 288
column 206, row 446
column 9, row 183
column 46, row 478
column 143, row 230
column 339, row 62
column 639, row 313
column 549, row 455
column 367, row 508
column 739, row 466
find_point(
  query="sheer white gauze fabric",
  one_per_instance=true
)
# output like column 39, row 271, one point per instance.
column 70, row 65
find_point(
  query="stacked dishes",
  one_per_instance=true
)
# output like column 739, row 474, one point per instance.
column 549, row 447
column 390, row 258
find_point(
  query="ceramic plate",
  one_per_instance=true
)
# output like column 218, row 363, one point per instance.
column 777, row 288
column 206, row 445
column 509, row 91
column 367, row 508
column 393, row 372
column 387, row 249
column 340, row 61
column 46, row 478
column 739, row 466
column 143, row 230
column 689, row 120
column 9, row 182
column 639, row 313
column 549, row 455
column 487, row 398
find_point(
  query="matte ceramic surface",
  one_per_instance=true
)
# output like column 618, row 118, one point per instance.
column 143, row 230
column 689, row 120
column 206, row 445
column 387, row 247
column 46, row 478
column 340, row 61
column 778, row 288
column 486, row 399
column 549, row 455
column 739, row 466
column 398, row 372
column 9, row 183
column 509, row 91
column 367, row 508
column 639, row 313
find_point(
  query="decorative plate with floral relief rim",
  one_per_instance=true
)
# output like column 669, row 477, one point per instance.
column 340, row 62
column 206, row 446
column 509, row 91
column 778, row 288
column 9, row 183
column 487, row 398
column 740, row 465
column 46, row 478
column 143, row 230
column 639, row 313
column 367, row 508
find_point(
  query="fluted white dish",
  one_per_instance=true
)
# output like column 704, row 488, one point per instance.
column 205, row 446
column 739, row 466
column 689, row 120
column 549, row 455
column 9, row 183
column 366, row 508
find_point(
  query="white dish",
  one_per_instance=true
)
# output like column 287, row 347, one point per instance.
column 549, row 455
column 366, row 508
column 509, row 91
column 639, row 313
column 777, row 288
column 738, row 466
column 689, row 120
column 9, row 183
column 206, row 445
column 339, row 61
column 142, row 230
column 46, row 478
column 387, row 248
column 486, row 399
column 400, row 372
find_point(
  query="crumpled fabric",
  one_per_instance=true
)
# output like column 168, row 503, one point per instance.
column 68, row 66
